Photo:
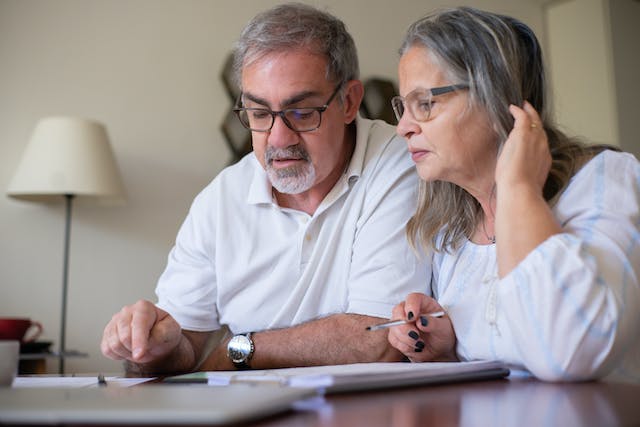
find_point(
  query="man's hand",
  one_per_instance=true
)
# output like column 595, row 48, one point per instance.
column 141, row 333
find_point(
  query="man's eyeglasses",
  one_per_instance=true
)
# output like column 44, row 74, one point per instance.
column 297, row 119
column 419, row 101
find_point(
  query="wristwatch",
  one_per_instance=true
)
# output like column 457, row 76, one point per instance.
column 239, row 350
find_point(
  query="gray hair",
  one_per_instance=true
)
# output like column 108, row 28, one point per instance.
column 498, row 56
column 294, row 26
column 501, row 61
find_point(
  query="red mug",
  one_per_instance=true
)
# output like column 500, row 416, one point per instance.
column 15, row 328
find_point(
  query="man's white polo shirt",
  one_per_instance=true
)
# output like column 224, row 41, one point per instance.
column 243, row 261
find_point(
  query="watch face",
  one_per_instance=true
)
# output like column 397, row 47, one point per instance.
column 239, row 348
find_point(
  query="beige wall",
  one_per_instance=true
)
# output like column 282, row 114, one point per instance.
column 624, row 19
column 149, row 70
column 572, row 46
column 594, row 61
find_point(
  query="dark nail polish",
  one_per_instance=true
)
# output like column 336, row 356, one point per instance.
column 414, row 335
column 417, row 350
column 419, row 344
column 424, row 321
column 410, row 315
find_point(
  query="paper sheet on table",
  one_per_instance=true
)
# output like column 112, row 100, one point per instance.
column 73, row 382
column 358, row 376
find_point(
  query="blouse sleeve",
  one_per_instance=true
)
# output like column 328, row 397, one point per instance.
column 573, row 304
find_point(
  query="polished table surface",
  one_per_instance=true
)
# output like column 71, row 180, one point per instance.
column 510, row 402
column 506, row 402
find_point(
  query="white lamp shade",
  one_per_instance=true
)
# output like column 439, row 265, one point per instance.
column 67, row 155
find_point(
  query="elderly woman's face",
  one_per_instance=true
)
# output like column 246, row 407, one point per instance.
column 456, row 142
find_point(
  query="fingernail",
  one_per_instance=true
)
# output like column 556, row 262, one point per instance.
column 417, row 350
column 424, row 321
column 137, row 353
column 410, row 315
column 414, row 335
column 419, row 344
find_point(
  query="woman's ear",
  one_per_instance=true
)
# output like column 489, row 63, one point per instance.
column 353, row 94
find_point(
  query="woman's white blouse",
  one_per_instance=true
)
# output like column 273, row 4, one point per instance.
column 571, row 309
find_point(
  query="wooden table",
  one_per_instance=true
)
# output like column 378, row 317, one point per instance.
column 511, row 402
column 506, row 402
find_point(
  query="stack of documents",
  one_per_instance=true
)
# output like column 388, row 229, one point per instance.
column 358, row 376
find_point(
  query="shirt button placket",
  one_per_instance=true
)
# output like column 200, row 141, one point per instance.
column 307, row 241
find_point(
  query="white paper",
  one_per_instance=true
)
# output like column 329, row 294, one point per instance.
column 73, row 382
column 42, row 381
column 358, row 375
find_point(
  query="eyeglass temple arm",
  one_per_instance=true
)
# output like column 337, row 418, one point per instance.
column 447, row 89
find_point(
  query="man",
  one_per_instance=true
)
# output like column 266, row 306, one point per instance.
column 302, row 242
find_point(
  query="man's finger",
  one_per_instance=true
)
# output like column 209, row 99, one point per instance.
column 122, row 328
column 111, row 344
column 143, row 320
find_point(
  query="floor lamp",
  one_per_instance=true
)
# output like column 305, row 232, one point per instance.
column 67, row 157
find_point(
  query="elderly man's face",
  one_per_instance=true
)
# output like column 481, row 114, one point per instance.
column 297, row 162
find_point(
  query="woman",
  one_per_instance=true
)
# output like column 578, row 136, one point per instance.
column 533, row 236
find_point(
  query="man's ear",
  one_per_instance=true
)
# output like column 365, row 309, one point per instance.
column 353, row 94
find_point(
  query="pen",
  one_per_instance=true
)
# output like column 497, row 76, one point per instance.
column 400, row 322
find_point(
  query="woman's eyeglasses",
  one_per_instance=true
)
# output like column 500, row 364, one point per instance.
column 419, row 101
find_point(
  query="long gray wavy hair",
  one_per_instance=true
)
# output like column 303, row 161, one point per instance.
column 501, row 61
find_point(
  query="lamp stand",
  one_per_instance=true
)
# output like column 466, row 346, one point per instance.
column 65, row 280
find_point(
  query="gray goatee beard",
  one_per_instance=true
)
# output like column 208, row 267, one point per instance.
column 293, row 179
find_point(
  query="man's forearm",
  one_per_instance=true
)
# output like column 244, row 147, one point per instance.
column 332, row 340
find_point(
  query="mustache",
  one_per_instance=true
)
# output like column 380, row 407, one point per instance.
column 291, row 152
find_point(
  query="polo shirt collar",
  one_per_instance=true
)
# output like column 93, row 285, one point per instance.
column 363, row 127
column 260, row 189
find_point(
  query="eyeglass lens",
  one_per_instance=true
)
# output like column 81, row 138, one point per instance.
column 298, row 119
column 419, row 102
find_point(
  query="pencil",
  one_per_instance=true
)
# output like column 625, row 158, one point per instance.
column 400, row 322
